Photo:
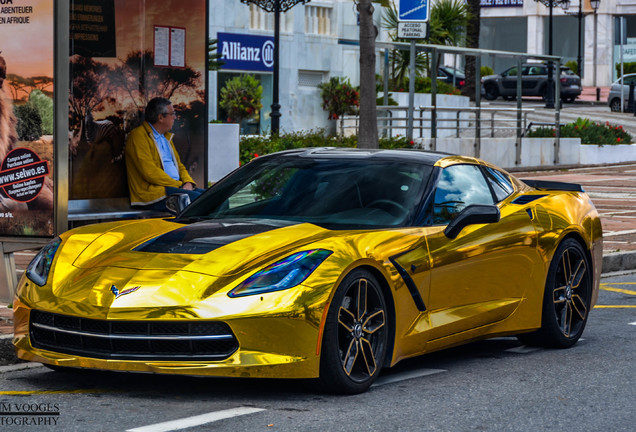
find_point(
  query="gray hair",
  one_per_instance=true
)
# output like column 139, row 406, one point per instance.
column 155, row 107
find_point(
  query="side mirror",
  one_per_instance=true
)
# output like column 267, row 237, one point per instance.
column 471, row 215
column 175, row 203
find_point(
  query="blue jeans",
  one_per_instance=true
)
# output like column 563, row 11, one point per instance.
column 161, row 205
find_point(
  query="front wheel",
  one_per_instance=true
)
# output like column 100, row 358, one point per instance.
column 491, row 92
column 615, row 105
column 356, row 335
column 566, row 300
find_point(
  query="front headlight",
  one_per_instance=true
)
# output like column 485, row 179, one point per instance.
column 283, row 274
column 38, row 269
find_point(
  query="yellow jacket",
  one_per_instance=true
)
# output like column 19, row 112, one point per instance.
column 146, row 178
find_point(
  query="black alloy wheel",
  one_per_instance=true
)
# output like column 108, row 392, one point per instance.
column 567, row 298
column 615, row 105
column 356, row 335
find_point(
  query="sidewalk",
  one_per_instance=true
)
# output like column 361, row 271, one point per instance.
column 613, row 190
column 588, row 95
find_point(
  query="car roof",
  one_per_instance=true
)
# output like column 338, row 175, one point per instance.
column 406, row 155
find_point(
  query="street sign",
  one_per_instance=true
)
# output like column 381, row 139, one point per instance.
column 413, row 10
column 412, row 30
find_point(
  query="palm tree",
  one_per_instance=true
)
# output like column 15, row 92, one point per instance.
column 368, row 135
column 472, row 39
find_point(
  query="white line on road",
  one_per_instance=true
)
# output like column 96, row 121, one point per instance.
column 390, row 379
column 196, row 420
column 632, row 323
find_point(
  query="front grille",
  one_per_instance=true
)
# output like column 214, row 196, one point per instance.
column 132, row 340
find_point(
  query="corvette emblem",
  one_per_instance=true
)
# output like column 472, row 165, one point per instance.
column 118, row 294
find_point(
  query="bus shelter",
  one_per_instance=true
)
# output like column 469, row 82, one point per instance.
column 76, row 76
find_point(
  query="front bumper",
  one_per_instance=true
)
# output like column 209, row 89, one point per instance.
column 275, row 345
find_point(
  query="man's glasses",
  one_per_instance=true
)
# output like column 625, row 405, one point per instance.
column 173, row 114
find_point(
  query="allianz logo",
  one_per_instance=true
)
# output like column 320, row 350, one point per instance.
column 236, row 51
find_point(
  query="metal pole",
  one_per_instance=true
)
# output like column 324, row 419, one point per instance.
column 621, row 25
column 478, row 105
column 557, row 115
column 434, row 100
column 409, row 121
column 595, row 41
column 549, row 103
column 275, row 114
column 578, row 57
column 61, row 89
column 519, row 104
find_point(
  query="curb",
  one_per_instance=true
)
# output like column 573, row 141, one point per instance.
column 612, row 262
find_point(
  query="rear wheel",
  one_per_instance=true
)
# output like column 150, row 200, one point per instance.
column 567, row 299
column 356, row 335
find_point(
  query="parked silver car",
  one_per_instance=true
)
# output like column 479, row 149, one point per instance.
column 614, row 97
column 534, row 80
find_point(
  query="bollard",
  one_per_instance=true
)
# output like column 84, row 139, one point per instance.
column 630, row 99
column 598, row 94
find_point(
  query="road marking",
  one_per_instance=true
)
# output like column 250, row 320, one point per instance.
column 618, row 290
column 634, row 323
column 617, row 233
column 614, row 306
column 196, row 420
column 398, row 377
column 48, row 392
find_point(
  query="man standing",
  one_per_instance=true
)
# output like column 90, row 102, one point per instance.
column 153, row 165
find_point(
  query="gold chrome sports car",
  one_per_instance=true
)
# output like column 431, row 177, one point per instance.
column 319, row 263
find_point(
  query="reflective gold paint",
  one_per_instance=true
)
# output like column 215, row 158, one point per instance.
column 470, row 286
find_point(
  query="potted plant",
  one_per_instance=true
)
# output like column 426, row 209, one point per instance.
column 339, row 98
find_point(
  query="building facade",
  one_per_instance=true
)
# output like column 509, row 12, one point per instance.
column 315, row 44
column 523, row 25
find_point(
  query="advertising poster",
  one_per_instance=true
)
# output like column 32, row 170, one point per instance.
column 117, row 66
column 26, row 118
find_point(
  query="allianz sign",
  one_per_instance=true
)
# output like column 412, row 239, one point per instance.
column 246, row 52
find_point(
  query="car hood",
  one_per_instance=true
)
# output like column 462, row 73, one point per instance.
column 218, row 248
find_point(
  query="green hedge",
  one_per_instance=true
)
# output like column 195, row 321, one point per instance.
column 255, row 146
column 590, row 132
column 627, row 68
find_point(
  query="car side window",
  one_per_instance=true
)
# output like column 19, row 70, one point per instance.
column 500, row 183
column 512, row 72
column 458, row 187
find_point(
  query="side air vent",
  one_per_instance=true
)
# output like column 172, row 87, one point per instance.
column 526, row 199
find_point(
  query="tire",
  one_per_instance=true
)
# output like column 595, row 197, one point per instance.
column 491, row 92
column 356, row 336
column 615, row 105
column 566, row 300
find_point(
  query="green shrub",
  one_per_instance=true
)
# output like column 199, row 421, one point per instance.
column 574, row 66
column 590, row 132
column 339, row 97
column 627, row 68
column 251, row 147
column 486, row 70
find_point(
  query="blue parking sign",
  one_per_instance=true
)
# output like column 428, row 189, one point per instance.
column 413, row 10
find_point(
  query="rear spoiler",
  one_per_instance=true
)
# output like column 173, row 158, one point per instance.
column 554, row 185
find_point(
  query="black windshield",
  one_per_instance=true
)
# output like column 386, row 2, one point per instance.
column 326, row 192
